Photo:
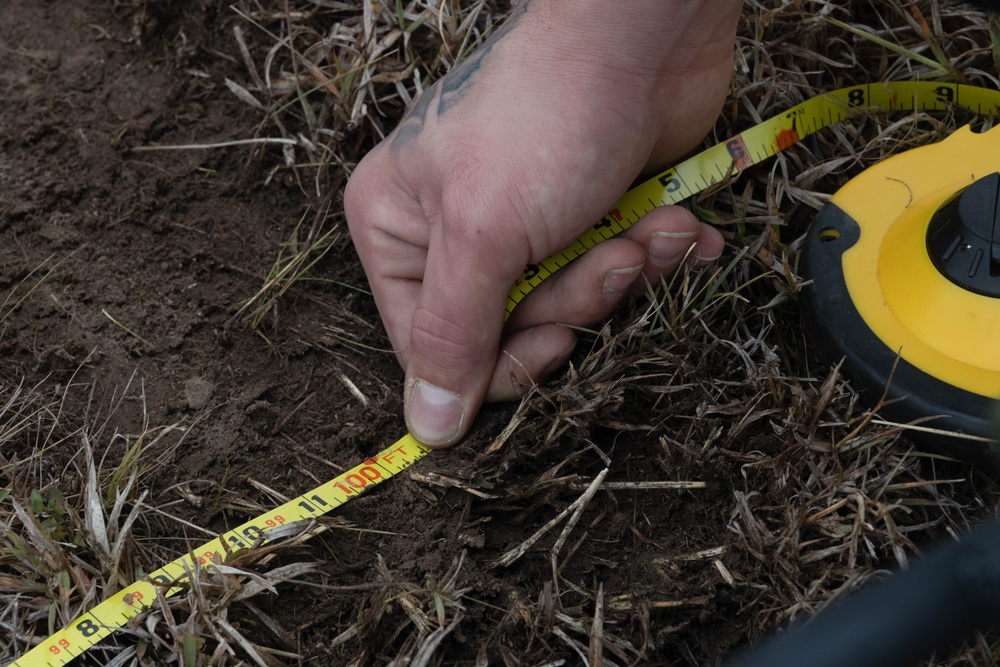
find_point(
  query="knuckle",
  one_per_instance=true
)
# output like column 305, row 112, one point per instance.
column 357, row 181
column 487, row 226
column 444, row 343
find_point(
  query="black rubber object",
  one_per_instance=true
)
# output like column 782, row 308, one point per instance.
column 837, row 331
column 941, row 599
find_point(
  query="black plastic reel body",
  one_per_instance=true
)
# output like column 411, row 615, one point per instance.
column 838, row 334
column 904, row 290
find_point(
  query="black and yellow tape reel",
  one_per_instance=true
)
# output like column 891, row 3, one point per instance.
column 905, row 269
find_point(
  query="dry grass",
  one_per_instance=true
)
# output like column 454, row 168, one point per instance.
column 74, row 495
column 796, row 496
column 75, row 530
column 330, row 79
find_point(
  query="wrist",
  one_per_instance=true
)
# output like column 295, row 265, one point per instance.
column 647, row 34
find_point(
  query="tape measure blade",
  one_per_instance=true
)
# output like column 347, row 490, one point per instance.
column 69, row 642
column 924, row 95
column 688, row 178
column 332, row 494
column 57, row 649
column 673, row 186
column 101, row 621
column 684, row 182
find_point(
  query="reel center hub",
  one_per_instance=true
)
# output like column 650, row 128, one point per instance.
column 963, row 238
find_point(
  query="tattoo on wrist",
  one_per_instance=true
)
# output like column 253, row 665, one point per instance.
column 451, row 88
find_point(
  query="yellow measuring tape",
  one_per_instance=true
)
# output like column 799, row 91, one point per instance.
column 670, row 187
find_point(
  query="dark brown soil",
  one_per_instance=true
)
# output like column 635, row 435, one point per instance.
column 148, row 257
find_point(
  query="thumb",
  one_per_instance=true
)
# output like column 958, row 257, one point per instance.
column 454, row 338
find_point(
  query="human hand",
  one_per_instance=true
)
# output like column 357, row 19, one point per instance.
column 507, row 160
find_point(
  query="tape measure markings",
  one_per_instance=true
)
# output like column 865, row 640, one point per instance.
column 669, row 187
column 91, row 627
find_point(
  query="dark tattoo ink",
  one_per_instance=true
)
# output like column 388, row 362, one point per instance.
column 453, row 86
column 414, row 120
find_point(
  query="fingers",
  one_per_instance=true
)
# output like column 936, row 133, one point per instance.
column 538, row 342
column 454, row 336
column 590, row 288
column 441, row 293
column 440, row 282
column 585, row 291
column 539, row 339
column 391, row 239
column 671, row 235
column 528, row 357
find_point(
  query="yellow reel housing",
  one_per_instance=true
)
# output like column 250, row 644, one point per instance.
column 905, row 269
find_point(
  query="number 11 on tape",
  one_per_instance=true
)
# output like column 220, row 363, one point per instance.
column 87, row 630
